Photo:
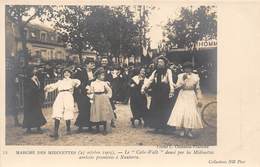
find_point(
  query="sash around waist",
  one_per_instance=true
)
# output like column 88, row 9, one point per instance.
column 99, row 93
column 65, row 90
column 188, row 89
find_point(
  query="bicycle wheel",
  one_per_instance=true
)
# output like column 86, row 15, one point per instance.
column 209, row 114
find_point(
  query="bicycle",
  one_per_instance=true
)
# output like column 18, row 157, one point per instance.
column 209, row 114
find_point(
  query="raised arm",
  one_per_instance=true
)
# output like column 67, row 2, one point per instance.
column 51, row 87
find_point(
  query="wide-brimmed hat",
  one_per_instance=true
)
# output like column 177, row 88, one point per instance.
column 162, row 57
column 89, row 60
column 187, row 64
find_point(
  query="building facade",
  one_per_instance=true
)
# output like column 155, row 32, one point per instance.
column 43, row 43
column 205, row 62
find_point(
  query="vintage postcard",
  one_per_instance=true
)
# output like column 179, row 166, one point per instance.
column 93, row 83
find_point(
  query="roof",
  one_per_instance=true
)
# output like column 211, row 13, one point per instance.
column 40, row 27
column 183, row 49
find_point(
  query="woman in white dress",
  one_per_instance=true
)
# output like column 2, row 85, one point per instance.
column 100, row 93
column 63, row 106
column 185, row 113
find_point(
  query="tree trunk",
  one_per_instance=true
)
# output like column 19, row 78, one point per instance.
column 24, row 42
column 80, row 58
column 193, row 51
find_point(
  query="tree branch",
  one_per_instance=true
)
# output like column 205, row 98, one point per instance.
column 31, row 18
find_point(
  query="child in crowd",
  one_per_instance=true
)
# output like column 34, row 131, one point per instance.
column 100, row 93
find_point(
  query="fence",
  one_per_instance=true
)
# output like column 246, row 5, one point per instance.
column 46, row 103
column 52, row 95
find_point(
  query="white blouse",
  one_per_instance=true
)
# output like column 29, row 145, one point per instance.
column 166, row 79
column 192, row 82
column 64, row 84
column 99, row 86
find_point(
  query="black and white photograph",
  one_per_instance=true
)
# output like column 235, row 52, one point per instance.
column 111, row 75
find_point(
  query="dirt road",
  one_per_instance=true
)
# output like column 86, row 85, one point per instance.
column 122, row 135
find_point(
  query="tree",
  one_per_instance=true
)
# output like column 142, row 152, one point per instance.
column 190, row 27
column 22, row 15
column 112, row 30
column 144, row 28
column 98, row 26
column 70, row 21
column 126, row 31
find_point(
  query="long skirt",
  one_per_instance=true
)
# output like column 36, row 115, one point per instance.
column 185, row 112
column 116, row 86
column 83, row 119
column 124, row 91
column 101, row 109
column 160, row 106
column 63, row 106
column 138, row 105
column 33, row 116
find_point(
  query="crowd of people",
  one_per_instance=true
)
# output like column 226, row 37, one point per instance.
column 95, row 89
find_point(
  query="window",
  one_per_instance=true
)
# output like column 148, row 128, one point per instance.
column 52, row 38
column 33, row 34
column 59, row 39
column 51, row 53
column 26, row 33
column 58, row 54
column 43, row 36
column 38, row 53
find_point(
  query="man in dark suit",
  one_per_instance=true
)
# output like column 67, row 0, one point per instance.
column 85, row 75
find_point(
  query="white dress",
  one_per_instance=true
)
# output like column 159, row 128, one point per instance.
column 63, row 106
column 185, row 112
